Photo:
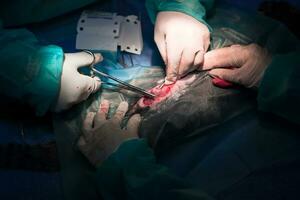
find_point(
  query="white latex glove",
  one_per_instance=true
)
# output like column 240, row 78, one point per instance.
column 102, row 136
column 76, row 87
column 246, row 64
column 182, row 42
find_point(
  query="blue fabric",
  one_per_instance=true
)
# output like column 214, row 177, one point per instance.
column 21, row 185
column 34, row 132
column 118, row 178
column 36, row 10
column 284, row 84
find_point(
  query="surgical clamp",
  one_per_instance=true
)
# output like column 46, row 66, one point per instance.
column 123, row 83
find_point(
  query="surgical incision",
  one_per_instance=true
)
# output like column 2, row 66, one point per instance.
column 164, row 93
column 160, row 94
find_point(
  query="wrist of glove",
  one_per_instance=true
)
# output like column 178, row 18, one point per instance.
column 102, row 136
column 244, row 65
column 76, row 87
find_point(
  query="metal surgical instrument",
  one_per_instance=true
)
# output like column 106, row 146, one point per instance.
column 123, row 83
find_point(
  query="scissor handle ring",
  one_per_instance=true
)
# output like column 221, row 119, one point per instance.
column 93, row 62
column 92, row 54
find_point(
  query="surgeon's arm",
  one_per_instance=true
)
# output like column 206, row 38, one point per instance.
column 133, row 173
column 276, row 77
column 279, row 91
column 43, row 76
column 29, row 72
column 194, row 8
column 182, row 49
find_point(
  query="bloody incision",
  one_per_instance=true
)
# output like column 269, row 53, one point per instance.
column 160, row 94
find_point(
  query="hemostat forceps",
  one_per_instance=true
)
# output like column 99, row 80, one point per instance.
column 123, row 83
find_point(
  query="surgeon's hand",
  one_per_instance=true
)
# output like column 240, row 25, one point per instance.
column 244, row 65
column 102, row 136
column 76, row 87
column 182, row 42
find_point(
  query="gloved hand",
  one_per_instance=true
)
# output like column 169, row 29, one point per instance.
column 245, row 64
column 76, row 87
column 182, row 42
column 102, row 136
